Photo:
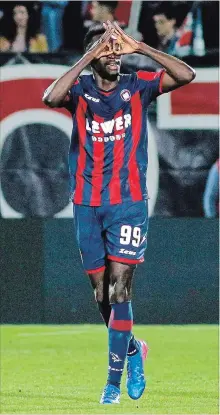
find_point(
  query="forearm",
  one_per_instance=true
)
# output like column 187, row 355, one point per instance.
column 177, row 69
column 57, row 91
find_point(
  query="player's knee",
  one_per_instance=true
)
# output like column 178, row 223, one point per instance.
column 99, row 292
column 118, row 291
column 120, row 287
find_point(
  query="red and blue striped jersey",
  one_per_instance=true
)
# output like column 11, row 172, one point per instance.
column 108, row 153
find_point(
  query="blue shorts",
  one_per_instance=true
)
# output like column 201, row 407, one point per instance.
column 117, row 232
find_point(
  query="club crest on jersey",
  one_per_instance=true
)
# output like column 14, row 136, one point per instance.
column 125, row 95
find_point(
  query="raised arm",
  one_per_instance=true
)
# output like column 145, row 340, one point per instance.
column 177, row 73
column 56, row 95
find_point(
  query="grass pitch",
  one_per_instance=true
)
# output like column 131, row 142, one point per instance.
column 62, row 370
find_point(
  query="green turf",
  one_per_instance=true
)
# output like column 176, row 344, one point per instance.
column 62, row 370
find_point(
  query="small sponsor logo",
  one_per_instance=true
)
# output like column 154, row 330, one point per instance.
column 125, row 251
column 125, row 95
column 143, row 239
column 91, row 98
column 115, row 357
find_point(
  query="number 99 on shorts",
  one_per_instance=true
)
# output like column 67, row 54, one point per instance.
column 130, row 236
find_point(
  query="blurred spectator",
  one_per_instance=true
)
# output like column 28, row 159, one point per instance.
column 21, row 33
column 165, row 24
column 73, row 28
column 185, row 40
column 52, row 23
column 210, row 13
column 151, row 8
column 211, row 194
column 1, row 13
column 190, row 40
column 101, row 11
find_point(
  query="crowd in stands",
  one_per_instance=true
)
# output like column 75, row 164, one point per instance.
column 180, row 28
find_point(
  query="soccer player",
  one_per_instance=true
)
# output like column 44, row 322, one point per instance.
column 108, row 168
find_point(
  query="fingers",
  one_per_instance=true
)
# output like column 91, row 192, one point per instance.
column 105, row 40
column 109, row 24
column 111, row 39
column 118, row 29
column 115, row 37
column 109, row 31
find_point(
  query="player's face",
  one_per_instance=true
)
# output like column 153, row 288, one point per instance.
column 20, row 15
column 108, row 66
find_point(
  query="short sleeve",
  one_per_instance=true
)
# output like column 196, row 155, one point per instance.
column 151, row 82
column 70, row 99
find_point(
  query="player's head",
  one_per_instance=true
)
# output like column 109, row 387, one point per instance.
column 164, row 20
column 107, row 67
column 103, row 10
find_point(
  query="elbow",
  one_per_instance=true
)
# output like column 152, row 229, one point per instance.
column 190, row 75
column 48, row 101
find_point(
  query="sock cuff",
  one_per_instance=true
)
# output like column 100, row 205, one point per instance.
column 121, row 325
column 121, row 317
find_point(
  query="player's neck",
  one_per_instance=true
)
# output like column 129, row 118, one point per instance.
column 106, row 84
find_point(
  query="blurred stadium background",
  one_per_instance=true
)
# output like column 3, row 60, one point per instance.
column 42, row 280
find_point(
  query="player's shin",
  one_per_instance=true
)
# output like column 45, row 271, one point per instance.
column 105, row 311
column 100, row 283
column 102, row 298
column 120, row 326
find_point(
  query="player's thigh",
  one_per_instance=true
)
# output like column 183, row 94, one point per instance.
column 126, row 235
column 90, row 238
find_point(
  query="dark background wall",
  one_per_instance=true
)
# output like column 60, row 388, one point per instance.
column 42, row 280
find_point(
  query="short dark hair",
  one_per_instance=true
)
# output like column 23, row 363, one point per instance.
column 94, row 30
column 112, row 5
column 167, row 9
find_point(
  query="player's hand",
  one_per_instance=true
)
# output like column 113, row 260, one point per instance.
column 124, row 44
column 103, row 46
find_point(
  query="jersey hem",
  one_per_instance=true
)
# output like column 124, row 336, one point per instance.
column 107, row 202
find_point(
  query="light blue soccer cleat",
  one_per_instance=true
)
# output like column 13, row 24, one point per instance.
column 110, row 394
column 136, row 381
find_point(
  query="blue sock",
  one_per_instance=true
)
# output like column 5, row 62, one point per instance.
column 133, row 347
column 120, row 326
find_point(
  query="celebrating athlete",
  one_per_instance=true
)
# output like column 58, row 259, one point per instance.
column 108, row 168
